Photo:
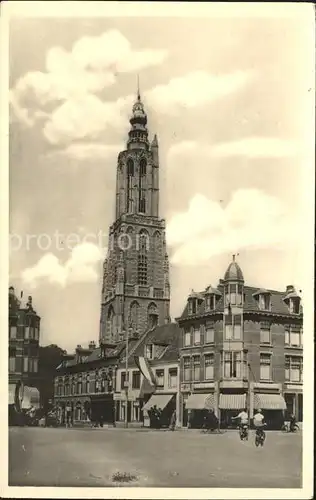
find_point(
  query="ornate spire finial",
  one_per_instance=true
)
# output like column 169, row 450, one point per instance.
column 138, row 91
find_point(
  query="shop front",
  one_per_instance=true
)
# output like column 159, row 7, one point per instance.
column 230, row 404
column 102, row 408
column 161, row 404
column 273, row 408
column 196, row 408
column 294, row 402
column 130, row 407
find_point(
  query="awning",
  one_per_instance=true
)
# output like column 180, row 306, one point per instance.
column 200, row 402
column 232, row 401
column 31, row 397
column 11, row 394
column 160, row 400
column 269, row 402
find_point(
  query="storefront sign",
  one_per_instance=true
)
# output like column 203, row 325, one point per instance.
column 206, row 385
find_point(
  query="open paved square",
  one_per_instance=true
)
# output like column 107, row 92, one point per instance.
column 97, row 457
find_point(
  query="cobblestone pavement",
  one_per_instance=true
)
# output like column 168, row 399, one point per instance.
column 131, row 457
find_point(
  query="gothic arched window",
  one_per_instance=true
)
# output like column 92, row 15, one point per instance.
column 129, row 187
column 142, row 247
column 152, row 319
column 134, row 315
column 110, row 322
column 142, row 186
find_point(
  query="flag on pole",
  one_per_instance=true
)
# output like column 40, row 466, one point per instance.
column 149, row 382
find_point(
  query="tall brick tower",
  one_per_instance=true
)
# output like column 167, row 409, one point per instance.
column 136, row 290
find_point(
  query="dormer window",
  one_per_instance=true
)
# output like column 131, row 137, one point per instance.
column 294, row 305
column 264, row 302
column 149, row 351
column 192, row 306
column 263, row 299
column 292, row 300
column 210, row 302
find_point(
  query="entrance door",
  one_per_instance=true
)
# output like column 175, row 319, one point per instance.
column 129, row 411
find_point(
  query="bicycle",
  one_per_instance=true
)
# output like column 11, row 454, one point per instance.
column 243, row 432
column 260, row 436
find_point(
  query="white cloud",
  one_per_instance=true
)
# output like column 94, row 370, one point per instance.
column 256, row 147
column 88, row 150
column 195, row 89
column 252, row 219
column 86, row 117
column 251, row 147
column 91, row 66
column 80, row 267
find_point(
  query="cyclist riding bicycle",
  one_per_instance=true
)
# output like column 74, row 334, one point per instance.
column 243, row 420
column 258, row 422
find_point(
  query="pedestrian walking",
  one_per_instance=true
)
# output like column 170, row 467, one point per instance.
column 173, row 420
column 68, row 415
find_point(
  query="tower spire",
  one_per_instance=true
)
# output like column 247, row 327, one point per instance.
column 138, row 91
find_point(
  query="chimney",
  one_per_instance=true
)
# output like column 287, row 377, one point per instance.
column 11, row 290
column 92, row 345
column 290, row 288
column 79, row 346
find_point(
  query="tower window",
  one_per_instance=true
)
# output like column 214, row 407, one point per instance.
column 130, row 167
column 142, row 191
column 142, row 166
column 129, row 190
column 142, row 270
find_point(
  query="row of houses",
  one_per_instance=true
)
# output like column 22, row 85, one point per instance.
column 234, row 346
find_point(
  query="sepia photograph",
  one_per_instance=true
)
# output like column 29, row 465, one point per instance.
column 159, row 194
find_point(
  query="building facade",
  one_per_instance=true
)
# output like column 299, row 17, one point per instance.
column 94, row 386
column 135, row 290
column 241, row 347
column 84, row 382
column 24, row 335
column 160, row 347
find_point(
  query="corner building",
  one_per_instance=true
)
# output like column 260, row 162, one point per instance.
column 242, row 347
column 136, row 290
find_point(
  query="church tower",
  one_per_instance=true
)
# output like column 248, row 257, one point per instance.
column 136, row 290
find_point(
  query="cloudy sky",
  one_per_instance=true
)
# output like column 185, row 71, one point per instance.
column 229, row 100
